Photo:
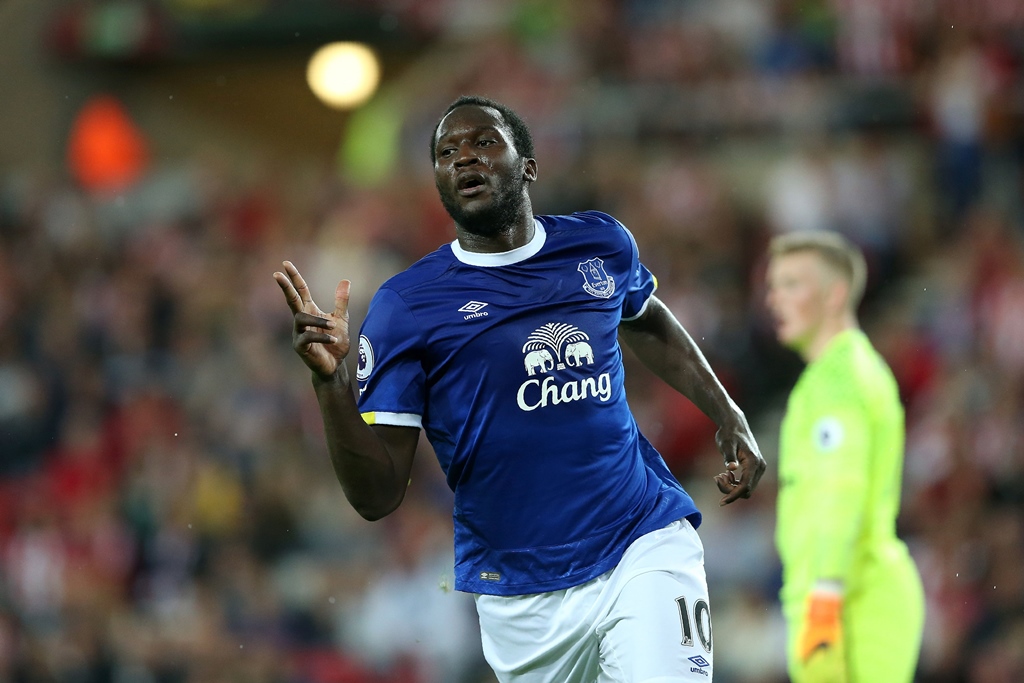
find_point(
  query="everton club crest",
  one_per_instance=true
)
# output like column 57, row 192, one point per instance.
column 596, row 282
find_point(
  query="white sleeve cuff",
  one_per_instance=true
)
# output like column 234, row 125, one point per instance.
column 643, row 309
column 393, row 419
column 831, row 586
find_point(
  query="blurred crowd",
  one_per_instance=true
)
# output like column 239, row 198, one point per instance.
column 168, row 513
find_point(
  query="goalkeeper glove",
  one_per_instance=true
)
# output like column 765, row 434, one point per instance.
column 820, row 645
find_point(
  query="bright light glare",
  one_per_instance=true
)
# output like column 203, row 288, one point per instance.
column 343, row 75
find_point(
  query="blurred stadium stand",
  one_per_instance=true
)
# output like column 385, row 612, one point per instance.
column 167, row 509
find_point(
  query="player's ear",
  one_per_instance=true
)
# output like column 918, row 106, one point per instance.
column 529, row 169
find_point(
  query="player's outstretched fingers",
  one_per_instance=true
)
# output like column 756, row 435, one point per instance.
column 290, row 295
column 299, row 282
column 341, row 295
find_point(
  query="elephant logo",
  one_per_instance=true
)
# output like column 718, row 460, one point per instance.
column 555, row 346
column 577, row 353
column 539, row 359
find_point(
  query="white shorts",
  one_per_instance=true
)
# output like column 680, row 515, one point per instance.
column 646, row 621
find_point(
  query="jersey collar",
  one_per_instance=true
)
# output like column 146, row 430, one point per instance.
column 504, row 258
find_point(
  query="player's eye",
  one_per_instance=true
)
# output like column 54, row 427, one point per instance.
column 486, row 143
column 447, row 152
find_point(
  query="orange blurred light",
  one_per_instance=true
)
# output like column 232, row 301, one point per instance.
column 106, row 151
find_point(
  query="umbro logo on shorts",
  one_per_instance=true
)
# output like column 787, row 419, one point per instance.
column 701, row 663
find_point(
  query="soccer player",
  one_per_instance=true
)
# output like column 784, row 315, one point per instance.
column 851, row 595
column 576, row 541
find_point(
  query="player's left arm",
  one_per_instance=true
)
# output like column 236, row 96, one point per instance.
column 663, row 345
column 840, row 443
column 840, row 446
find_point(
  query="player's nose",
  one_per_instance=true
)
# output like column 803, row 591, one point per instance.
column 466, row 155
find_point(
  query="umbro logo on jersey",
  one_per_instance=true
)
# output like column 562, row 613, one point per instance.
column 473, row 309
column 701, row 663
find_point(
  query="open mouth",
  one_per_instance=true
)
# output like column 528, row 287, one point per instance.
column 470, row 184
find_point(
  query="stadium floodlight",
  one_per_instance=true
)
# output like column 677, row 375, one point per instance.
column 343, row 75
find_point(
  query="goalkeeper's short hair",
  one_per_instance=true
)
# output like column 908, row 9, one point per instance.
column 838, row 253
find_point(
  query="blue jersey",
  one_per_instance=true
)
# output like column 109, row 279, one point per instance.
column 510, row 362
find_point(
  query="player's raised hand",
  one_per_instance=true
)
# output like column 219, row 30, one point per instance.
column 741, row 455
column 322, row 351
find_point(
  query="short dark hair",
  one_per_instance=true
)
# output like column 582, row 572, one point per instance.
column 521, row 136
column 837, row 252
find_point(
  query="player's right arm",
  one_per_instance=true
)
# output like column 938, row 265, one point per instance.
column 372, row 463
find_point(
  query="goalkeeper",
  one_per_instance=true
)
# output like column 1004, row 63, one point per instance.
column 851, row 595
